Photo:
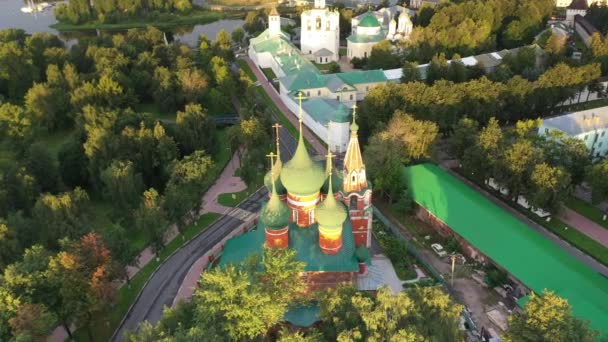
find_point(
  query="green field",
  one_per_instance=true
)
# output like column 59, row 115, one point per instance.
column 162, row 21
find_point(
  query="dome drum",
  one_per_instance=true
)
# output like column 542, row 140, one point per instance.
column 277, row 238
column 330, row 240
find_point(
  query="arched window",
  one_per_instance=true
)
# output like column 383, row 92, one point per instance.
column 318, row 23
column 353, row 178
column 327, row 25
column 308, row 25
column 353, row 203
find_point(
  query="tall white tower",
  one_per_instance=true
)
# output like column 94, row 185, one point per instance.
column 320, row 35
column 274, row 22
column 405, row 25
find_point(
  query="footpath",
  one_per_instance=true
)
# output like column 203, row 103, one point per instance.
column 585, row 225
column 226, row 183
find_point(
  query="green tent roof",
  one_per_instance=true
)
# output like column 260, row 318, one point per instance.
column 369, row 20
column 301, row 175
column 526, row 254
column 305, row 241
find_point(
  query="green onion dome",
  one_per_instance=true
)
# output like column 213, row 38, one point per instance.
column 276, row 169
column 275, row 213
column 301, row 175
column 331, row 213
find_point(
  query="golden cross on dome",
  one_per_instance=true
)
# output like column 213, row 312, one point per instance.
column 276, row 127
column 271, row 155
column 300, row 98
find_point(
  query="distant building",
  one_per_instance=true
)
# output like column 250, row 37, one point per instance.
column 320, row 33
column 589, row 126
column 566, row 3
column 585, row 29
column 577, row 7
column 368, row 29
column 419, row 3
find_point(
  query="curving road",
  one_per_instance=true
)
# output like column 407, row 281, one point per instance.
column 162, row 287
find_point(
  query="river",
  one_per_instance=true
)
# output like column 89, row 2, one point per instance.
column 12, row 17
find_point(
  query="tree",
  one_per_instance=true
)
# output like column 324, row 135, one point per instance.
column 598, row 179
column 17, row 70
column 18, row 189
column 551, row 187
column 185, row 187
column 16, row 125
column 382, row 56
column 122, row 251
column 32, row 322
column 73, row 164
column 41, row 164
column 516, row 164
column 49, row 105
column 547, row 318
column 411, row 72
column 238, row 35
column 463, row 137
column 10, row 304
column 151, row 219
column 61, row 215
column 9, row 245
column 123, row 186
column 418, row 137
column 383, row 161
column 195, row 129
column 244, row 302
column 223, row 45
column 193, row 84
column 422, row 315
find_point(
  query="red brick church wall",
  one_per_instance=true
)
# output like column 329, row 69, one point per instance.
column 325, row 280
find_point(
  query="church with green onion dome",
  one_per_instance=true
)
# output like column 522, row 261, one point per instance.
column 320, row 211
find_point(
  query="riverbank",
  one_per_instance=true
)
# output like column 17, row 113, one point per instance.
column 162, row 21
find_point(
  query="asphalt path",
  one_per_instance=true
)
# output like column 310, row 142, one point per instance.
column 163, row 285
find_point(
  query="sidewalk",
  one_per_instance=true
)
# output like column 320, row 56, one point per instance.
column 226, row 183
column 585, row 226
column 293, row 118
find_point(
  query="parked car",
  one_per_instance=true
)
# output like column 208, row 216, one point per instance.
column 438, row 249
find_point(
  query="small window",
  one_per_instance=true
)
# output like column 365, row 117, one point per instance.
column 318, row 93
column 308, row 93
column 310, row 52
column 366, row 88
column 338, row 97
column 353, row 203
column 325, row 59
column 365, row 54
column 546, row 131
column 351, row 97
column 327, row 25
column 600, row 144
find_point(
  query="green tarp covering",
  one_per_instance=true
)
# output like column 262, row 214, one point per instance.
column 530, row 257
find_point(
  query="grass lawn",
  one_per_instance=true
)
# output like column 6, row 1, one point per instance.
column 246, row 69
column 587, row 210
column 233, row 199
column 162, row 21
column 103, row 328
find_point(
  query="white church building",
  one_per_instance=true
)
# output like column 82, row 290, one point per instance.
column 368, row 29
column 320, row 34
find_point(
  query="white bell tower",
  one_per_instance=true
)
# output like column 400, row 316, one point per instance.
column 319, row 3
column 274, row 22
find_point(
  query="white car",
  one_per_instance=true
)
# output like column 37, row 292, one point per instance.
column 438, row 249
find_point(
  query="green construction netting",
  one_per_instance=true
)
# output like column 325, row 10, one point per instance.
column 526, row 254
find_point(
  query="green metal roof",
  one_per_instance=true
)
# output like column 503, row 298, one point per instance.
column 305, row 79
column 324, row 110
column 301, row 175
column 362, row 76
column 305, row 241
column 369, row 20
column 303, row 315
column 525, row 253
column 277, row 167
column 330, row 213
column 364, row 38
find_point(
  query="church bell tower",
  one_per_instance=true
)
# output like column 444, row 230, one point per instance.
column 357, row 192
